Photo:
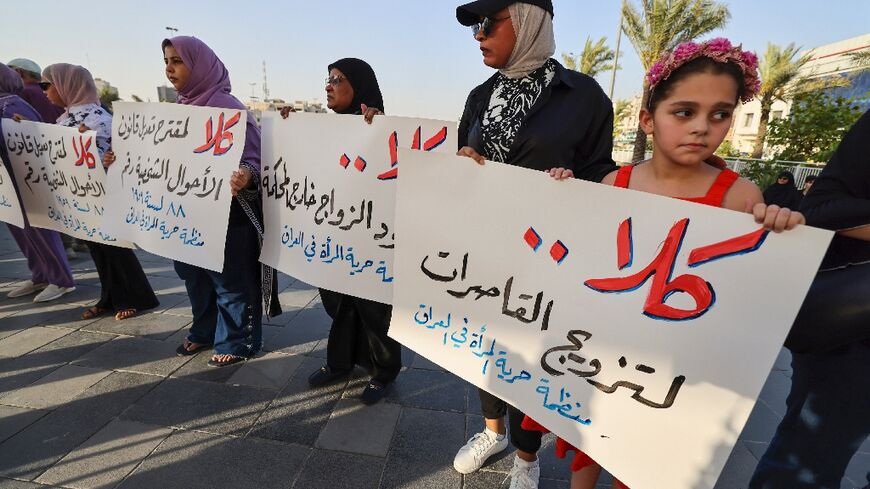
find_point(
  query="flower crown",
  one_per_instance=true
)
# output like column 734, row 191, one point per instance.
column 719, row 49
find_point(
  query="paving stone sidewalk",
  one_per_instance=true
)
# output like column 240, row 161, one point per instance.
column 104, row 404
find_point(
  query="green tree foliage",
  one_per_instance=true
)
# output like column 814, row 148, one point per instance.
column 595, row 58
column 814, row 128
column 108, row 96
column 779, row 67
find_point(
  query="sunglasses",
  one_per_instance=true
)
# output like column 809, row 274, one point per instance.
column 486, row 25
column 44, row 85
column 335, row 80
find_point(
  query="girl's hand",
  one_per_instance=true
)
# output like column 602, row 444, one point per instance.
column 19, row 118
column 285, row 111
column 471, row 153
column 241, row 179
column 776, row 218
column 561, row 173
column 108, row 158
column 84, row 128
column 369, row 113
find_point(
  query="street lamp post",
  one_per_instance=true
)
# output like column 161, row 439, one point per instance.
column 172, row 30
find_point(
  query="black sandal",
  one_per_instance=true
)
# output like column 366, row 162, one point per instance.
column 182, row 350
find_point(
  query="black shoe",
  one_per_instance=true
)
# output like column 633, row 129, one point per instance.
column 373, row 392
column 325, row 375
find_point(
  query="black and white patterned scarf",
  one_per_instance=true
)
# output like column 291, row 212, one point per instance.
column 510, row 102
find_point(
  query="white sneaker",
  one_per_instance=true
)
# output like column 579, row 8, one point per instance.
column 26, row 288
column 525, row 475
column 480, row 447
column 52, row 292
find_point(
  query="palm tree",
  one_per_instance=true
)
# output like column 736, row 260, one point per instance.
column 621, row 110
column 778, row 69
column 594, row 59
column 659, row 27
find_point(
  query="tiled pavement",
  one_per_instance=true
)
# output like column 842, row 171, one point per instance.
column 105, row 403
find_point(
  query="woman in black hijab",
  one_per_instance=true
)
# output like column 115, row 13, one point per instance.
column 358, row 335
column 783, row 192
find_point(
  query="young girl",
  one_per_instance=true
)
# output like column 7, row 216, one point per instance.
column 693, row 94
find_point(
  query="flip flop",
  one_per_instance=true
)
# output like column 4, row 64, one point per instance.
column 93, row 312
column 125, row 314
column 226, row 363
column 182, row 351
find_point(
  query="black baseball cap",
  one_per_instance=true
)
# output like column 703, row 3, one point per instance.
column 470, row 13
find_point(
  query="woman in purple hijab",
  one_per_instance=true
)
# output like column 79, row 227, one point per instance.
column 227, row 306
column 46, row 259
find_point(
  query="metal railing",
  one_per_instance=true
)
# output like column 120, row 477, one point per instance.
column 800, row 169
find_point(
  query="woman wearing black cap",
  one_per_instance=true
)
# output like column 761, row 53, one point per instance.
column 536, row 114
column 359, row 326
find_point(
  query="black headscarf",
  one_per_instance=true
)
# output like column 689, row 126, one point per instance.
column 783, row 194
column 365, row 85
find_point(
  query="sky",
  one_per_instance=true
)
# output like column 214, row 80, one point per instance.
column 425, row 61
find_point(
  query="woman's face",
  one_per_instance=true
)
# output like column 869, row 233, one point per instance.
column 499, row 44
column 339, row 93
column 54, row 97
column 176, row 71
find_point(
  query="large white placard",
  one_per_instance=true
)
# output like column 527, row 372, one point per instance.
column 10, row 208
column 329, row 191
column 170, row 185
column 61, row 179
column 639, row 328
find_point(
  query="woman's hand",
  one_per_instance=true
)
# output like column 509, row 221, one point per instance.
column 83, row 127
column 241, row 180
column 776, row 218
column 285, row 111
column 471, row 153
column 561, row 173
column 19, row 118
column 369, row 113
column 108, row 158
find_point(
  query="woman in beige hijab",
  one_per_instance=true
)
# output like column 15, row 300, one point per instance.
column 536, row 114
column 125, row 290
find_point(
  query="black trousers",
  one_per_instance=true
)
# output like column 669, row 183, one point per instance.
column 495, row 408
column 358, row 336
column 122, row 280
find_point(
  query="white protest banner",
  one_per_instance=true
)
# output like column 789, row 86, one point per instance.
column 170, row 185
column 10, row 208
column 329, row 191
column 61, row 179
column 639, row 328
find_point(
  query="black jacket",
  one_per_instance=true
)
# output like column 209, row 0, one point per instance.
column 570, row 126
column 840, row 197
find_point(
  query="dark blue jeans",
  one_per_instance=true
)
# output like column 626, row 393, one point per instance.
column 228, row 307
column 826, row 421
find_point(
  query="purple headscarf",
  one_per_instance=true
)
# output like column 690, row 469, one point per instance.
column 10, row 82
column 209, row 86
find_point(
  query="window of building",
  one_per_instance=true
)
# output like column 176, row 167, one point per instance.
column 748, row 119
column 777, row 114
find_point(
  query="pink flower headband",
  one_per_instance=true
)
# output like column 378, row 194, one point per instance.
column 719, row 49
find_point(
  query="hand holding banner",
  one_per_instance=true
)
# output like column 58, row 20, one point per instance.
column 60, row 178
column 329, row 190
column 638, row 327
column 169, row 188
